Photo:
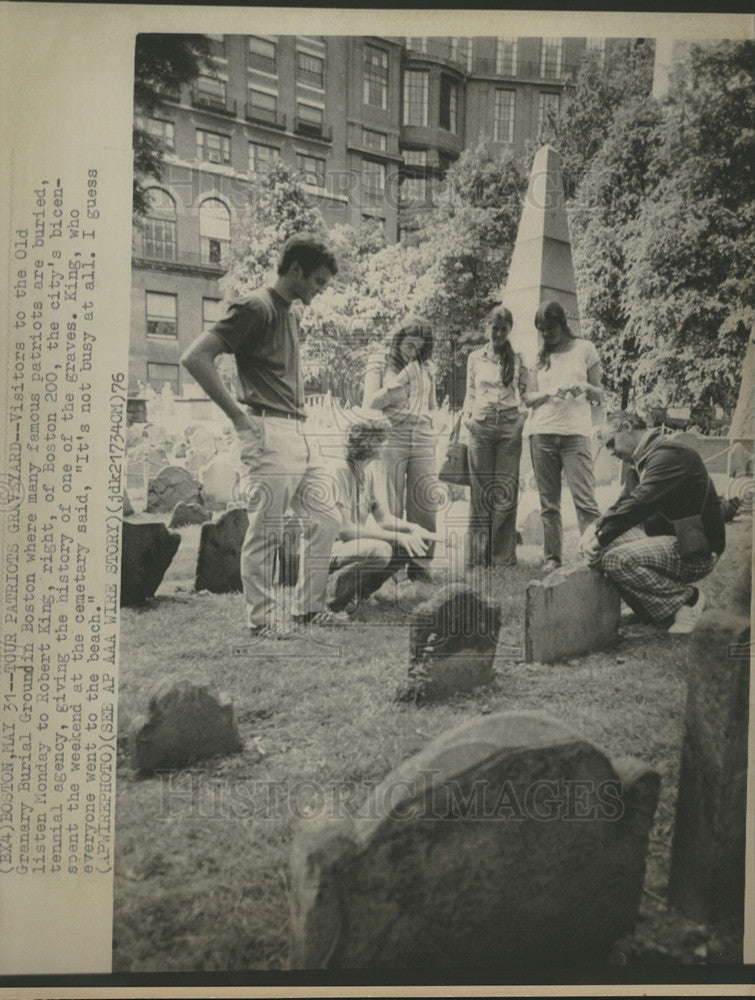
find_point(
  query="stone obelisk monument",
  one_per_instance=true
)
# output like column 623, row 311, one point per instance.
column 541, row 265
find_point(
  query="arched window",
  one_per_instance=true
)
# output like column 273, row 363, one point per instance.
column 158, row 232
column 214, row 231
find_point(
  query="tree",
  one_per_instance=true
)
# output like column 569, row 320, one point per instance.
column 591, row 101
column 277, row 207
column 162, row 65
column 689, row 263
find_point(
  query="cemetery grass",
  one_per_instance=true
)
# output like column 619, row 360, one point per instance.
column 201, row 873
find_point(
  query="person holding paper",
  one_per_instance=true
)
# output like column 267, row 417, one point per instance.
column 566, row 381
column 400, row 382
column 665, row 531
column 262, row 333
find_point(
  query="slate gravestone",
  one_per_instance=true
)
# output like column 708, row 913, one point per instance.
column 452, row 643
column 219, row 482
column 169, row 486
column 219, row 557
column 510, row 841
column 187, row 722
column 708, row 851
column 146, row 552
column 569, row 613
column 532, row 529
column 185, row 514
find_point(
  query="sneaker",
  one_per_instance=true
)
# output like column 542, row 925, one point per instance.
column 325, row 619
column 279, row 632
column 688, row 616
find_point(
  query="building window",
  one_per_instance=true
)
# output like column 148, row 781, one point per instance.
column 263, row 106
column 415, row 97
column 548, row 104
column 158, row 233
column 374, row 140
column 416, row 43
column 310, row 70
column 212, row 312
column 160, row 129
column 415, row 157
column 449, row 103
column 213, row 147
column 503, row 126
column 210, row 92
column 413, row 191
column 506, row 56
column 214, row 231
column 461, row 52
column 162, row 310
column 373, row 180
column 159, row 375
column 375, row 83
column 261, row 156
column 217, row 46
column 551, row 50
column 262, row 55
column 312, row 169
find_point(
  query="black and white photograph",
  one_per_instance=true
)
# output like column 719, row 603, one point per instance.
column 378, row 509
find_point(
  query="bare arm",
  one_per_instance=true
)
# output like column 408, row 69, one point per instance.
column 532, row 398
column 199, row 362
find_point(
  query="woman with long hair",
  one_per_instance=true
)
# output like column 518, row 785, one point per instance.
column 566, row 381
column 494, row 417
column 400, row 381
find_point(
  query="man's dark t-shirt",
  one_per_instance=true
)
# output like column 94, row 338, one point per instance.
column 262, row 333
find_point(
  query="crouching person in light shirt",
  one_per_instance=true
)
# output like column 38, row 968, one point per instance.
column 359, row 542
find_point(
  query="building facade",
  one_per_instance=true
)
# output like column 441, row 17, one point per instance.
column 370, row 123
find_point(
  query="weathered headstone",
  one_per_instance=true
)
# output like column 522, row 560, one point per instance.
column 219, row 482
column 169, row 486
column 185, row 514
column 708, row 853
column 128, row 509
column 532, row 528
column 155, row 459
column 570, row 612
column 740, row 461
column 187, row 722
column 146, row 552
column 219, row 557
column 452, row 643
column 510, row 841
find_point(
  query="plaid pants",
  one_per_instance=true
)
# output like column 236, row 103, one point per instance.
column 650, row 573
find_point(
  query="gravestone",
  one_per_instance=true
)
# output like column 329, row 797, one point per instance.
column 532, row 529
column 219, row 557
column 155, row 458
column 708, row 851
column 569, row 613
column 171, row 485
column 452, row 643
column 185, row 514
column 128, row 508
column 740, row 461
column 146, row 552
column 219, row 482
column 510, row 841
column 187, row 722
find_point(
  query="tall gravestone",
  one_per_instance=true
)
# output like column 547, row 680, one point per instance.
column 541, row 265
column 509, row 841
column 708, row 852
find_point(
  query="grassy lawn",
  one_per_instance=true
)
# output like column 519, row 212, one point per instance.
column 202, row 860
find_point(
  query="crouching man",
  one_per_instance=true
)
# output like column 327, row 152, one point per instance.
column 361, row 554
column 665, row 531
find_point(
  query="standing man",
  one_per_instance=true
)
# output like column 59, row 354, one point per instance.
column 664, row 532
column 262, row 333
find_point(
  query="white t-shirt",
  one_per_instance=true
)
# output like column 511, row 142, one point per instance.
column 571, row 415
